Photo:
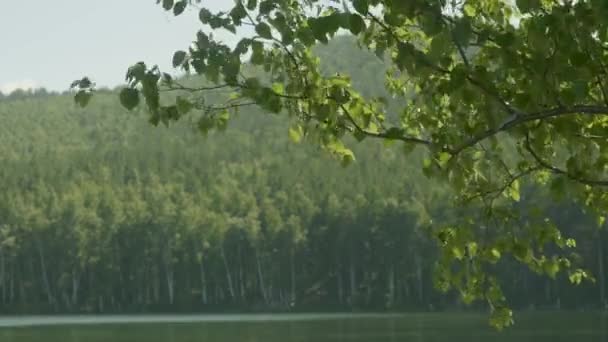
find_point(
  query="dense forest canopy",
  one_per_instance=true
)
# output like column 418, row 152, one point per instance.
column 101, row 212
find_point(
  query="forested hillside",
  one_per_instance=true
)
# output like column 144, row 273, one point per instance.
column 102, row 212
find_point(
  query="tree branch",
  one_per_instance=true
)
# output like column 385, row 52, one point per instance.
column 383, row 135
column 498, row 191
column 520, row 119
column 176, row 87
column 559, row 171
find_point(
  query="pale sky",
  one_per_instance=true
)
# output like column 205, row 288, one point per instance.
column 50, row 43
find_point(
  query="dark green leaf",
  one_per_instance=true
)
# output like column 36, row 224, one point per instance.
column 361, row 6
column 81, row 83
column 252, row 4
column 528, row 5
column 263, row 30
column 183, row 105
column 394, row 133
column 357, row 24
column 136, row 72
column 462, row 32
column 82, row 98
column 257, row 55
column 266, row 6
column 129, row 98
column 167, row 4
column 238, row 13
column 178, row 58
column 205, row 16
column 180, row 7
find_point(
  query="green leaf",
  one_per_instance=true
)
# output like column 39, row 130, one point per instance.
column 205, row 16
column 82, row 98
column 470, row 10
column 129, row 98
column 266, row 6
column 168, row 114
column 361, row 6
column 462, row 32
column 136, row 72
column 348, row 157
column 278, row 88
column 472, row 249
column 431, row 25
column 82, row 83
column 178, row 58
column 394, row 133
column 506, row 39
column 458, row 253
column 242, row 46
column 570, row 243
column 183, row 105
column 494, row 255
column 528, row 5
column 257, row 55
column 296, row 133
column 443, row 158
column 180, row 7
column 319, row 32
column 205, row 124
column 238, row 13
column 514, row 191
column 501, row 318
column 167, row 4
column 521, row 251
column 357, row 24
column 551, row 268
column 306, row 36
column 263, row 30
column 252, row 4
column 576, row 277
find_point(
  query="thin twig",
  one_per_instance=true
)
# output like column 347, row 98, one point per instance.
column 559, row 171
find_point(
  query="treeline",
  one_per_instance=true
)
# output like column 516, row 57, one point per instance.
column 99, row 212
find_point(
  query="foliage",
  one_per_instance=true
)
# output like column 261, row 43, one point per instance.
column 102, row 213
column 497, row 92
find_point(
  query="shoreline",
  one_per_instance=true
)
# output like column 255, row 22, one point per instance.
column 119, row 319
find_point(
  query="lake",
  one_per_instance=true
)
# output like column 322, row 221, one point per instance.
column 435, row 327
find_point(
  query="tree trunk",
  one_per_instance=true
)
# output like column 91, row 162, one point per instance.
column 170, row 284
column 241, row 276
column 228, row 275
column 419, row 279
column 45, row 277
column 293, row 277
column 167, row 256
column 340, row 284
column 3, row 276
column 407, row 291
column 368, row 286
column 12, row 286
column 352, row 278
column 261, row 278
column 391, row 287
column 156, row 288
column 100, row 303
column 204, row 297
column 601, row 274
column 75, row 287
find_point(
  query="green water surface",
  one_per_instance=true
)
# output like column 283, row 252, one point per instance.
column 537, row 327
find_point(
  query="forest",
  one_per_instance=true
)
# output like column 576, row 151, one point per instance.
column 101, row 212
